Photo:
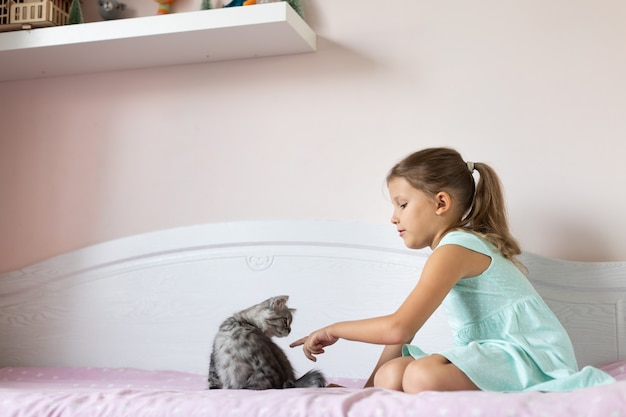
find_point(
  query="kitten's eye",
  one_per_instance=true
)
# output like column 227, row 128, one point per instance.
column 285, row 322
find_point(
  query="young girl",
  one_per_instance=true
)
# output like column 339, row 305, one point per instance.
column 506, row 338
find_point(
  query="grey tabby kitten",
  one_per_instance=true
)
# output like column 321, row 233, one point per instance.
column 245, row 357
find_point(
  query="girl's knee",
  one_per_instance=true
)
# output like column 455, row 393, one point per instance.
column 434, row 373
column 390, row 374
column 417, row 378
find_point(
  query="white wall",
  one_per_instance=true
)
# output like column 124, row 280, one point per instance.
column 535, row 88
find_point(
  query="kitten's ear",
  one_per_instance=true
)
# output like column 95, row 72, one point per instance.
column 279, row 303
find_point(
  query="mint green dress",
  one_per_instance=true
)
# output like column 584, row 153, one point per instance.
column 505, row 337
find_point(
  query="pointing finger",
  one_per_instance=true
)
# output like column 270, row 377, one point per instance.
column 299, row 342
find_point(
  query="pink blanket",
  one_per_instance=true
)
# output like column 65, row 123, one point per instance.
column 111, row 392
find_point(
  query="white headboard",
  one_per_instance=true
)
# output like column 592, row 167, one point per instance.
column 155, row 300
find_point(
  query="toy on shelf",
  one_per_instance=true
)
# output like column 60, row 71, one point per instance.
column 110, row 9
column 235, row 3
column 295, row 4
column 4, row 13
column 75, row 15
column 164, row 6
column 29, row 14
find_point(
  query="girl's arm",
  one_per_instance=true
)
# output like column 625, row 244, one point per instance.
column 443, row 269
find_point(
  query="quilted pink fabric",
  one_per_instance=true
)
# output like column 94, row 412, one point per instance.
column 111, row 392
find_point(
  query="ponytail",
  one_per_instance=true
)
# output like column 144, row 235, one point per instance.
column 487, row 215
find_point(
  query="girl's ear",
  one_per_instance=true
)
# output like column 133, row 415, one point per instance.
column 443, row 201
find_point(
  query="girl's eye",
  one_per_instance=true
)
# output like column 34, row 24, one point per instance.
column 403, row 205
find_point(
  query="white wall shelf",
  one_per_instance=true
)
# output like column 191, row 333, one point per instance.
column 180, row 38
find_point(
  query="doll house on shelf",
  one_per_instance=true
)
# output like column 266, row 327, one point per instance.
column 28, row 14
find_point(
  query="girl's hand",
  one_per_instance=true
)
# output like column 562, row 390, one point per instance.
column 314, row 343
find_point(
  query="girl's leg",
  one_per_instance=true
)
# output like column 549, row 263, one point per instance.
column 390, row 374
column 434, row 373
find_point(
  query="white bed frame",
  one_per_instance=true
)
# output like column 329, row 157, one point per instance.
column 154, row 301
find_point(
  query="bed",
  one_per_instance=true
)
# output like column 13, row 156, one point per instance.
column 124, row 328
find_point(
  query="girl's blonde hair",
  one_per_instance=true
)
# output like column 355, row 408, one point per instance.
column 481, row 204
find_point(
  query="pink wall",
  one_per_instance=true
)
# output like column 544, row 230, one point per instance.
column 537, row 89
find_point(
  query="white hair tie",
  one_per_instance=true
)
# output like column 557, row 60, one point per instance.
column 470, row 166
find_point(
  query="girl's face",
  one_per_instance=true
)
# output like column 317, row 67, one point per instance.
column 416, row 216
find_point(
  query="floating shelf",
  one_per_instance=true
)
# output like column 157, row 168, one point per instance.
column 179, row 38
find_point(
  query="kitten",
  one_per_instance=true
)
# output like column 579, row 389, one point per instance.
column 245, row 357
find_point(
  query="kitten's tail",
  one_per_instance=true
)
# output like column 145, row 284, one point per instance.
column 313, row 378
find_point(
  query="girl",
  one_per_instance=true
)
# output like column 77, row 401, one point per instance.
column 506, row 338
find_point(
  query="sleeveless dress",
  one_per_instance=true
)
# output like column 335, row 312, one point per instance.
column 505, row 337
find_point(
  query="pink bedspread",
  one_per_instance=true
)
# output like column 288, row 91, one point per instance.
column 110, row 392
